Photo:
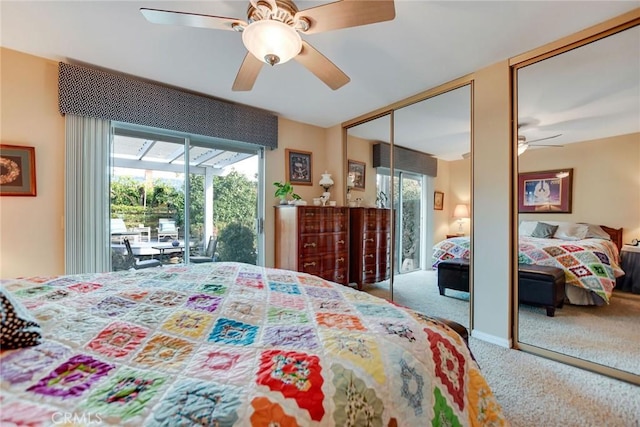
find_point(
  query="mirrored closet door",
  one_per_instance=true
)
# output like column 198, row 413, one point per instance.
column 427, row 151
column 578, row 135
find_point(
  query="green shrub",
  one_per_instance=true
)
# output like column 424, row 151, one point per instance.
column 236, row 242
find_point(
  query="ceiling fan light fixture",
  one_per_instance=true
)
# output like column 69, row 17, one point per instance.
column 522, row 147
column 272, row 41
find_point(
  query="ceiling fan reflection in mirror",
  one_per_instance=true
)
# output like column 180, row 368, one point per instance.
column 272, row 31
column 523, row 144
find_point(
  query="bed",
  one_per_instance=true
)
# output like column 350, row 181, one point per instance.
column 233, row 344
column 589, row 255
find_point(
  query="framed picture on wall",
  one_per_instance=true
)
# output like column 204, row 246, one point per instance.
column 438, row 200
column 357, row 173
column 298, row 165
column 17, row 170
column 545, row 191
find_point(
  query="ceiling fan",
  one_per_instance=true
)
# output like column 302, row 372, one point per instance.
column 272, row 31
column 523, row 144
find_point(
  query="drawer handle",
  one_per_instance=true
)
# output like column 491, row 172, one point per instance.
column 340, row 277
column 309, row 214
column 369, row 240
column 312, row 244
column 341, row 259
column 341, row 242
column 309, row 264
column 368, row 256
column 368, row 272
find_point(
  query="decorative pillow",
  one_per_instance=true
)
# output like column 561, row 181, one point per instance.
column 544, row 230
column 526, row 227
column 570, row 231
column 596, row 232
column 17, row 327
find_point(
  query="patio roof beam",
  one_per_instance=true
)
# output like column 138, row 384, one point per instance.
column 204, row 157
column 179, row 152
column 146, row 147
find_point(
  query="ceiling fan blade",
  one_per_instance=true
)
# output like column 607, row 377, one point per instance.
column 248, row 73
column 347, row 13
column 158, row 16
column 319, row 65
column 543, row 139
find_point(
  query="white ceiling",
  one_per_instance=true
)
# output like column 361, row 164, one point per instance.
column 427, row 44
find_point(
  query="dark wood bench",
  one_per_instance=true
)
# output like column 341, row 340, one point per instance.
column 453, row 274
column 537, row 284
column 541, row 285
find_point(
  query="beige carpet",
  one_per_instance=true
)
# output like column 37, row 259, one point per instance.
column 532, row 390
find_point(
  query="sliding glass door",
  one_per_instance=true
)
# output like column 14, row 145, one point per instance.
column 409, row 222
column 170, row 208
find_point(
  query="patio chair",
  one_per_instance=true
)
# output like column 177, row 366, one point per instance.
column 167, row 229
column 139, row 264
column 119, row 231
column 209, row 254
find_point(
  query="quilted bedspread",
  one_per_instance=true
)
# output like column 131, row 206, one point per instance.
column 230, row 344
column 591, row 264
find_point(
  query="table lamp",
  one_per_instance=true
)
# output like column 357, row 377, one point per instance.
column 461, row 212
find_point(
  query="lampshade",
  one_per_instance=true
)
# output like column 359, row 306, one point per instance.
column 326, row 182
column 461, row 211
column 271, row 41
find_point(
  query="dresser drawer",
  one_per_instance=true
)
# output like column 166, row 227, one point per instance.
column 338, row 276
column 311, row 265
column 335, row 261
column 310, row 244
column 334, row 242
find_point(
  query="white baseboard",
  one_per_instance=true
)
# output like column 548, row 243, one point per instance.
column 502, row 342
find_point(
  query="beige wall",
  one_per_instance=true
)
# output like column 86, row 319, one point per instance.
column 491, row 198
column 606, row 181
column 442, row 183
column 31, row 228
column 460, row 191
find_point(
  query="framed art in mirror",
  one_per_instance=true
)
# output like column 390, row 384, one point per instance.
column 438, row 200
column 545, row 191
column 298, row 167
column 357, row 174
column 17, row 170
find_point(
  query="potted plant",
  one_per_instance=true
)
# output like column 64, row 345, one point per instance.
column 284, row 191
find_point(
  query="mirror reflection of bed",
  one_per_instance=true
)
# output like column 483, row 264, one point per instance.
column 590, row 97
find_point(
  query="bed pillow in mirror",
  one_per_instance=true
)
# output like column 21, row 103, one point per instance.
column 571, row 231
column 544, row 230
column 526, row 227
column 18, row 328
column 596, row 232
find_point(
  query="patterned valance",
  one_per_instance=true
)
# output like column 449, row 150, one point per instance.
column 404, row 159
column 94, row 93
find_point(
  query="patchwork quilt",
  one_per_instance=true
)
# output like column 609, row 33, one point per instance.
column 591, row 264
column 231, row 344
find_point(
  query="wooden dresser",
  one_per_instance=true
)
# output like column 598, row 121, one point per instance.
column 313, row 239
column 370, row 240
